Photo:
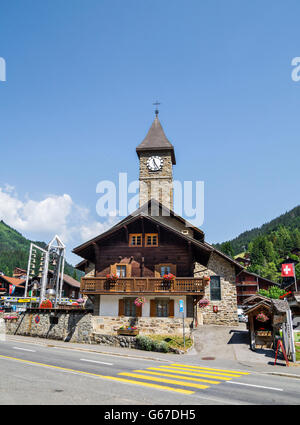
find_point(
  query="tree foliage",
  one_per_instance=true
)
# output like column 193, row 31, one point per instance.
column 269, row 245
column 273, row 292
column 14, row 252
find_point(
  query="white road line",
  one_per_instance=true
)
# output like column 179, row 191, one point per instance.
column 124, row 357
column 24, row 349
column 252, row 385
column 96, row 361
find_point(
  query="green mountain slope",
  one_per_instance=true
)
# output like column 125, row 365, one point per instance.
column 290, row 220
column 14, row 251
column 269, row 244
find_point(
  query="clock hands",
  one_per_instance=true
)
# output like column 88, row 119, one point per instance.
column 157, row 165
column 154, row 163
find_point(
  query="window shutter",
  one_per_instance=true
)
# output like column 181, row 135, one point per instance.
column 157, row 270
column 138, row 311
column 173, row 269
column 171, row 308
column 121, row 307
column 113, row 269
column 152, row 308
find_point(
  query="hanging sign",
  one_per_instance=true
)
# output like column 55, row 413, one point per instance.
column 215, row 309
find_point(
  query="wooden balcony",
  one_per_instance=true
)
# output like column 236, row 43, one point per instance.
column 142, row 285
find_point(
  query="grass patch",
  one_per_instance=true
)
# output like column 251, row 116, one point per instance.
column 172, row 341
column 297, row 336
column 162, row 343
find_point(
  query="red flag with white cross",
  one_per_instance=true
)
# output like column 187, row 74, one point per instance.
column 287, row 270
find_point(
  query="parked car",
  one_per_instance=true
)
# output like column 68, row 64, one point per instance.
column 241, row 316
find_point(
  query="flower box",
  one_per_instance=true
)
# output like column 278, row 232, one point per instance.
column 139, row 301
column 261, row 317
column 112, row 278
column 206, row 280
column 263, row 333
column 10, row 317
column 203, row 303
column 129, row 332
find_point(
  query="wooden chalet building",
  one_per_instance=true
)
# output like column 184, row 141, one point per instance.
column 148, row 244
column 70, row 289
column 16, row 283
column 248, row 284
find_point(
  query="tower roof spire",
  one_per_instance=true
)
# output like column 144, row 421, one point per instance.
column 156, row 110
column 156, row 140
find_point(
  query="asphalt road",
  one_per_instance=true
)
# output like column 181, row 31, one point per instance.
column 38, row 374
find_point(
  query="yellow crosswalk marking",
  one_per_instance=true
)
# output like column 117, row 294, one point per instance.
column 208, row 368
column 111, row 378
column 181, row 372
column 165, row 381
column 174, row 368
column 168, row 375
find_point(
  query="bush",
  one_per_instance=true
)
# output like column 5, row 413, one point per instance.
column 148, row 344
column 163, row 347
column 144, row 343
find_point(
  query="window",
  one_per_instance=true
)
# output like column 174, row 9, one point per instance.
column 151, row 239
column 162, row 308
column 129, row 307
column 215, row 288
column 121, row 270
column 135, row 239
column 165, row 270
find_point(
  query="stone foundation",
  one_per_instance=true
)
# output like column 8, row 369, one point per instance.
column 146, row 325
column 81, row 326
column 67, row 326
column 123, row 341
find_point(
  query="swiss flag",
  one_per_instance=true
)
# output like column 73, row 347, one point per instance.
column 287, row 270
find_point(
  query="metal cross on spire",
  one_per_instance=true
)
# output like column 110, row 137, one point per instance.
column 156, row 104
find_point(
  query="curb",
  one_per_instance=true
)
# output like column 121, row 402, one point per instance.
column 98, row 352
column 286, row 375
column 109, row 354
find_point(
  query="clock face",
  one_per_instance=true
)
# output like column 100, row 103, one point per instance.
column 155, row 163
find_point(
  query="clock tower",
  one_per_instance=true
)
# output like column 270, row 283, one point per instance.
column 157, row 157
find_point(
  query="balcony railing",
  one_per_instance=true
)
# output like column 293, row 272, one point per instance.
column 133, row 285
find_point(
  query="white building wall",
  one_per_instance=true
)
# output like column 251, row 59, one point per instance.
column 109, row 305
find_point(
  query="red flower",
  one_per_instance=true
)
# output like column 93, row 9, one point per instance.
column 46, row 304
column 169, row 276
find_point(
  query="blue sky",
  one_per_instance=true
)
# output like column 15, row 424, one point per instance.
column 81, row 80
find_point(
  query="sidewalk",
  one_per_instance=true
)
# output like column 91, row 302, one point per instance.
column 231, row 344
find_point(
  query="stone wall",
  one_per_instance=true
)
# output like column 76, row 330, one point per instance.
column 162, row 178
column 146, row 325
column 123, row 341
column 66, row 326
column 227, row 306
